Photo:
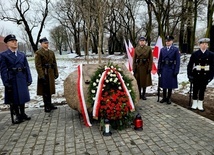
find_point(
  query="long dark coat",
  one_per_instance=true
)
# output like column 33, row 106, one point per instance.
column 142, row 65
column 202, row 59
column 42, row 58
column 168, row 67
column 19, row 80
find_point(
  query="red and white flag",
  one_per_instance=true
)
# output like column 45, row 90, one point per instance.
column 156, row 53
column 130, row 54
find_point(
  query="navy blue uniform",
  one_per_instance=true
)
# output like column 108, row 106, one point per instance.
column 201, row 70
column 15, row 73
column 168, row 67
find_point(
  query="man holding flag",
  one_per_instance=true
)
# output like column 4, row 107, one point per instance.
column 142, row 65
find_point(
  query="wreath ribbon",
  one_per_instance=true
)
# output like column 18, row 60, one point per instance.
column 82, row 98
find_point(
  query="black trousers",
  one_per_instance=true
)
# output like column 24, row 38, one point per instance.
column 198, row 91
column 46, row 94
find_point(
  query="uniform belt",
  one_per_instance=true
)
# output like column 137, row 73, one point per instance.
column 19, row 69
column 48, row 66
column 199, row 67
column 169, row 62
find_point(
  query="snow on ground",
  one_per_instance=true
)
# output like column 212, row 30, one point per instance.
column 69, row 62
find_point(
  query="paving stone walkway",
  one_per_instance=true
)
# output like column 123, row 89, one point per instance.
column 168, row 130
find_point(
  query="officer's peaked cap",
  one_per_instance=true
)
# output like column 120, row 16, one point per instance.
column 169, row 38
column 204, row 40
column 42, row 40
column 142, row 38
column 9, row 38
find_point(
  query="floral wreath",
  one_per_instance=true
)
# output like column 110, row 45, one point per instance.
column 113, row 98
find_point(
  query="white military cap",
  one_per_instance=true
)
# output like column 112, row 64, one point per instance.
column 204, row 40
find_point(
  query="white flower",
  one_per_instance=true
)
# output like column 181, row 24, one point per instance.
column 110, row 79
column 94, row 84
column 115, row 80
column 104, row 85
column 107, row 81
column 102, row 89
column 93, row 91
column 118, row 83
column 130, row 90
column 109, row 73
column 119, row 69
column 99, row 75
column 112, row 67
column 94, row 98
column 106, row 67
column 127, row 84
column 97, row 80
column 119, row 87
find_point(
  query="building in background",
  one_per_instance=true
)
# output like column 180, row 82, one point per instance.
column 3, row 46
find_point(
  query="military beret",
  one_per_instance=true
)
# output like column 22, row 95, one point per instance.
column 169, row 38
column 142, row 38
column 42, row 40
column 204, row 40
column 9, row 38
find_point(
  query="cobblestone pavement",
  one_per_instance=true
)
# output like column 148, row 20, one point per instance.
column 168, row 130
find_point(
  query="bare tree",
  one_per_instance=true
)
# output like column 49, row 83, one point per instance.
column 27, row 14
column 210, row 18
column 68, row 16
column 59, row 36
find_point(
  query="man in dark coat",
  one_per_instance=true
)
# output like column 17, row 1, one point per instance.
column 200, row 71
column 142, row 65
column 168, row 68
column 16, row 77
column 47, row 70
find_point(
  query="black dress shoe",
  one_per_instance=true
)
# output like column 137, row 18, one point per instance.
column 163, row 100
column 144, row 98
column 26, row 117
column 47, row 110
column 169, row 101
column 52, row 107
column 18, row 120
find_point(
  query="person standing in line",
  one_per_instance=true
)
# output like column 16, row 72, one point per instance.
column 168, row 68
column 200, row 71
column 47, row 70
column 16, row 77
column 142, row 65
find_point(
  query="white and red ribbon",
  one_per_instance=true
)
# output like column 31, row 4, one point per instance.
column 82, row 98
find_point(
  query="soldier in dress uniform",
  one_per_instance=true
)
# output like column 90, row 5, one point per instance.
column 142, row 65
column 168, row 69
column 47, row 70
column 16, row 77
column 200, row 71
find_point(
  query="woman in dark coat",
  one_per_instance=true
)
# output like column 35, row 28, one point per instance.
column 16, row 77
column 168, row 68
column 142, row 65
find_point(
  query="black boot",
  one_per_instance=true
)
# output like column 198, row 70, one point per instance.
column 139, row 89
column 144, row 92
column 23, row 115
column 18, row 119
column 164, row 99
column 169, row 96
